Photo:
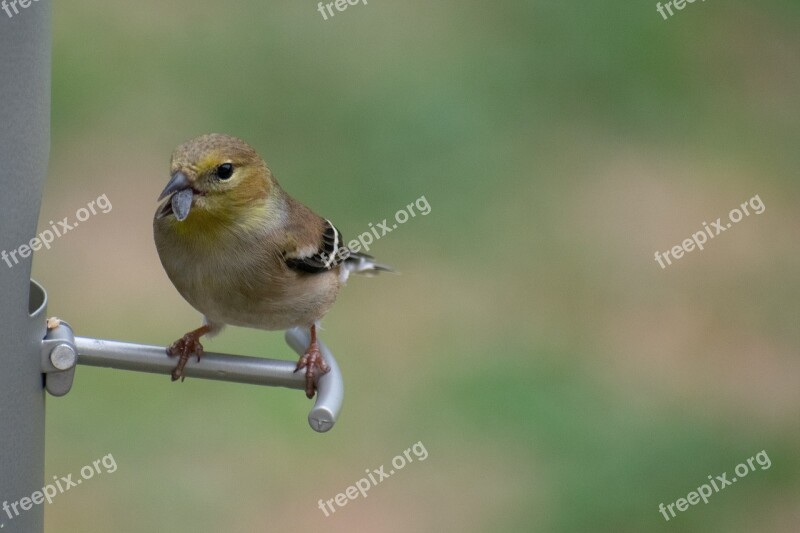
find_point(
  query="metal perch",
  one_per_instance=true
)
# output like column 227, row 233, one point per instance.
column 61, row 351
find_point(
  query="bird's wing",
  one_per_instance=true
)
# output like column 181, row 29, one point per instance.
column 314, row 245
column 320, row 252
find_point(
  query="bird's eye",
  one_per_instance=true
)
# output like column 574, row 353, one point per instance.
column 224, row 171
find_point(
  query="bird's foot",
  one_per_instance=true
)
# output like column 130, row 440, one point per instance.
column 315, row 366
column 184, row 348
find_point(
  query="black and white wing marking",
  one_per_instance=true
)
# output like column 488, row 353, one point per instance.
column 331, row 253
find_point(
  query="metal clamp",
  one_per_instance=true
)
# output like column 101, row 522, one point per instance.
column 61, row 351
column 59, row 357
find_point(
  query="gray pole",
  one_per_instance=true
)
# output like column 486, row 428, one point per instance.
column 24, row 146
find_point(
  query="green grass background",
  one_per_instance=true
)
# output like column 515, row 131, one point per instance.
column 559, row 379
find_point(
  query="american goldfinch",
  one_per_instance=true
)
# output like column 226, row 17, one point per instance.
column 243, row 252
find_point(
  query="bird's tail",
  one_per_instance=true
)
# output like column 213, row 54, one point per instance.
column 359, row 263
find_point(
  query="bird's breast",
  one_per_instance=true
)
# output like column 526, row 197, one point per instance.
column 244, row 281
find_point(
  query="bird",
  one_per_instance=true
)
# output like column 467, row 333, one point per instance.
column 243, row 252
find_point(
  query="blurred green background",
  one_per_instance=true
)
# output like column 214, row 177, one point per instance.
column 560, row 380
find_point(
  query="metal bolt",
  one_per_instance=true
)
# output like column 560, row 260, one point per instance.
column 63, row 357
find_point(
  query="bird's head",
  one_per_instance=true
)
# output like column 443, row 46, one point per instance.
column 215, row 179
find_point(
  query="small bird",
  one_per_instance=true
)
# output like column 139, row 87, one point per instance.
column 243, row 252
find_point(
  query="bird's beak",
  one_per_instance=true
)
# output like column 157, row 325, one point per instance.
column 182, row 195
column 178, row 182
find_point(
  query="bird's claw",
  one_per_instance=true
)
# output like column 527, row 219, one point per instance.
column 184, row 348
column 315, row 366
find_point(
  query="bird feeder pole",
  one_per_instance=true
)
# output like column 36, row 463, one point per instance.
column 25, row 44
